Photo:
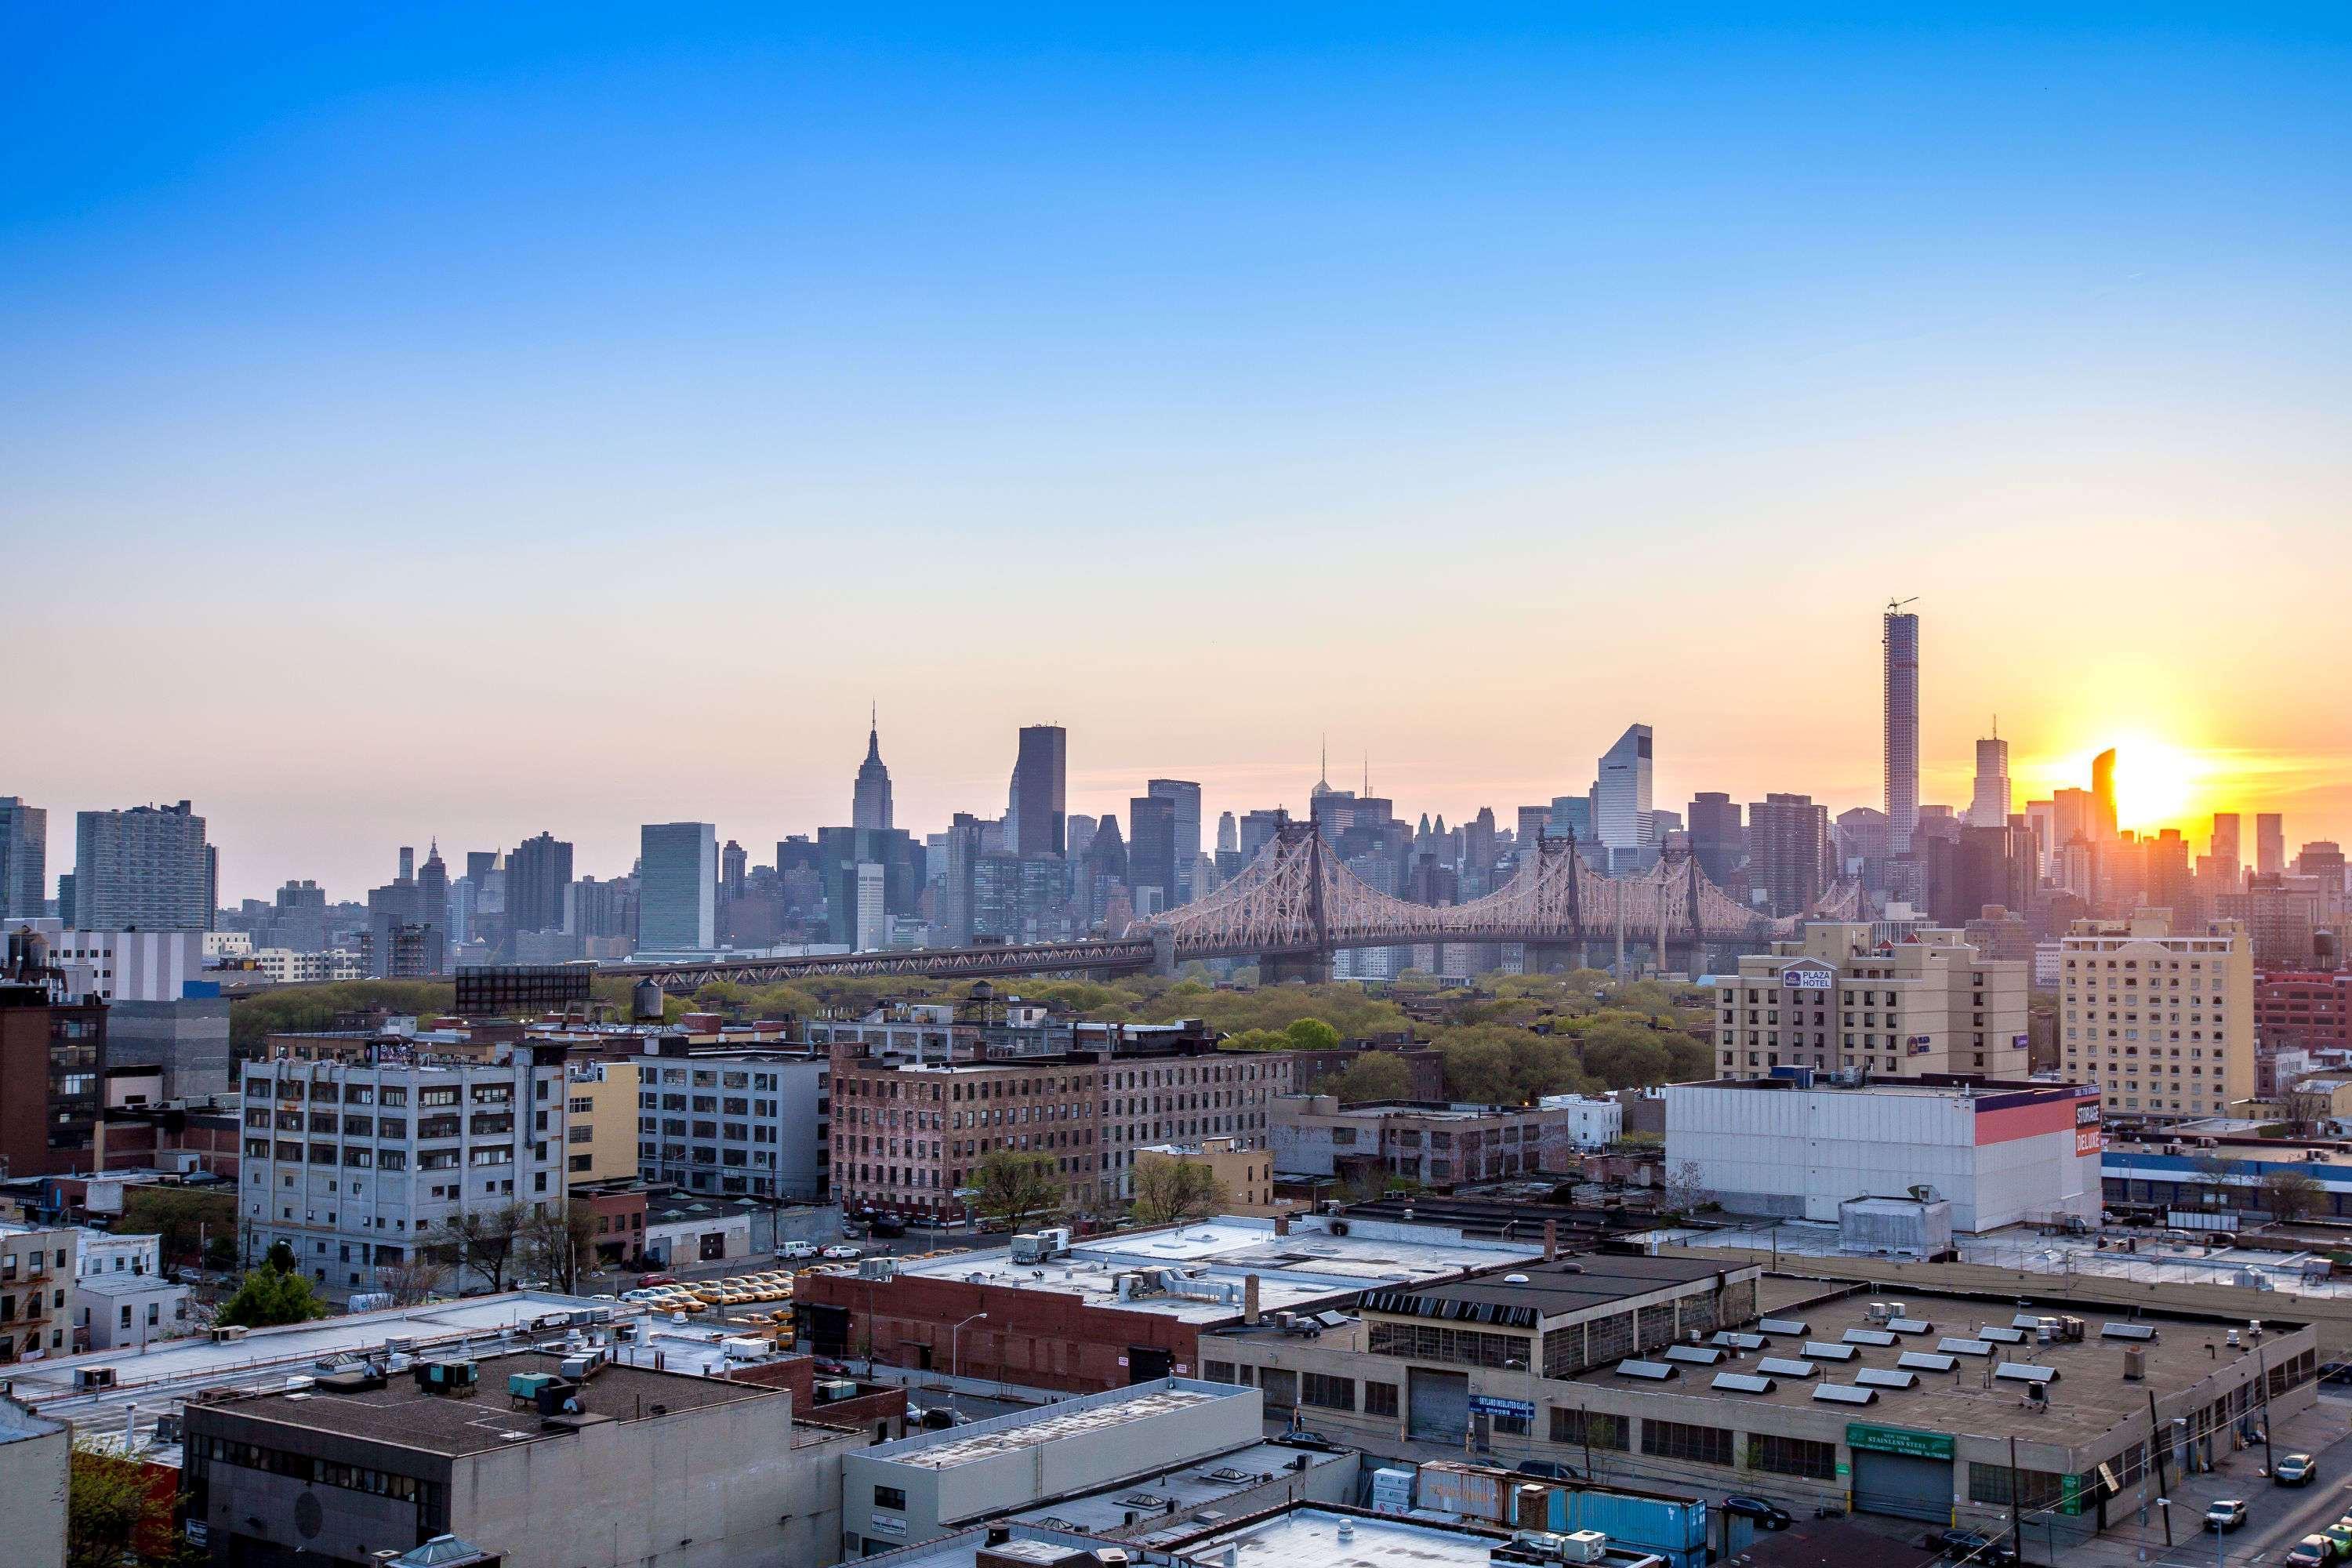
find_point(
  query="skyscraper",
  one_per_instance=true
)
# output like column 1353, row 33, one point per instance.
column 23, row 859
column 870, row 805
column 678, row 886
column 1788, row 851
column 1621, row 794
column 1899, row 639
column 1040, row 791
column 1990, row 806
column 1229, row 835
column 2103, row 795
column 2270, row 843
column 1718, row 838
column 1185, row 796
column 2228, row 856
column 538, row 872
column 143, row 869
column 1151, row 851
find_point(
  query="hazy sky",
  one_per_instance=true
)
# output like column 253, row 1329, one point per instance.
column 491, row 419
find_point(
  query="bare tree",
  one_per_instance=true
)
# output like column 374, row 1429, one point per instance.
column 2214, row 1176
column 2303, row 1108
column 1169, row 1190
column 414, row 1279
column 560, row 1243
column 484, row 1240
column 1686, row 1190
column 2289, row 1193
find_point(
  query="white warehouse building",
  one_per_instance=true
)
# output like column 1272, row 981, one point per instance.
column 1796, row 1147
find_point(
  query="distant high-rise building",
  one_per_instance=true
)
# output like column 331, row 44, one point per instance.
column 1571, row 817
column 1620, row 817
column 1479, row 852
column 1185, row 796
column 1041, row 791
column 538, row 872
column 2270, row 843
column 870, row 803
column 23, row 859
column 873, row 926
column 1788, row 851
column 141, row 869
column 432, row 895
column 1532, row 823
column 1899, row 640
column 678, row 886
column 1719, row 840
column 734, row 867
column 1151, row 852
column 1229, row 835
column 1079, row 831
column 1257, row 830
column 2104, row 823
column 1990, row 806
column 2228, row 859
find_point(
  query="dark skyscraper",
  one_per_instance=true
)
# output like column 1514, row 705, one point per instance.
column 537, row 873
column 1788, row 851
column 1185, row 796
column 1041, row 803
column 1717, row 837
column 23, row 859
column 869, row 802
column 1151, row 852
column 1900, row 641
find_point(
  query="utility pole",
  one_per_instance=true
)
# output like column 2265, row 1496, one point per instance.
column 2016, row 1506
column 2156, row 1448
column 2269, row 1466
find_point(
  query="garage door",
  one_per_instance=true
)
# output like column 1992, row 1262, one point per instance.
column 1441, row 1405
column 1904, row 1486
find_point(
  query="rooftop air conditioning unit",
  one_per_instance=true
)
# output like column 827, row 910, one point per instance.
column 230, row 1333
column 1584, row 1546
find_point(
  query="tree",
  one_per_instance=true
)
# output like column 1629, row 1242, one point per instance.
column 1624, row 1054
column 560, row 1243
column 1312, row 1035
column 1259, row 1040
column 2212, row 1172
column 1687, row 1190
column 1373, row 1075
column 414, row 1279
column 185, row 1220
column 1367, row 1184
column 2303, row 1109
column 2289, row 1193
column 1172, row 1191
column 484, row 1240
column 118, row 1512
column 1479, row 1071
column 1018, row 1188
column 272, row 1295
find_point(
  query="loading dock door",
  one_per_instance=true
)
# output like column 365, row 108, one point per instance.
column 1148, row 1364
column 1441, row 1405
column 1903, row 1485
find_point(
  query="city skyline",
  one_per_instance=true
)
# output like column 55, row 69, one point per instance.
column 480, row 420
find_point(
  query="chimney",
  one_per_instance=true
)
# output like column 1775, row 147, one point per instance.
column 1551, row 1241
column 1282, row 1224
column 1249, row 1298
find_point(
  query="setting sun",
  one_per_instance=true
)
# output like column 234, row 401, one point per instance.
column 2156, row 784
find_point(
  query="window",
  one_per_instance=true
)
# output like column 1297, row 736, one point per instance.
column 1217, row 1371
column 1791, row 1456
column 1599, row 1430
column 1380, row 1399
column 1326, row 1392
column 1673, row 1440
column 1989, row 1483
column 890, row 1498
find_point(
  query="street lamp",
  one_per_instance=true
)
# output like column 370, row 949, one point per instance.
column 955, row 1346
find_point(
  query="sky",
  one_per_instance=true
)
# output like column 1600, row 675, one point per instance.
column 459, row 422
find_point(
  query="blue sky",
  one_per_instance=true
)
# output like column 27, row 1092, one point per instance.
column 1466, row 384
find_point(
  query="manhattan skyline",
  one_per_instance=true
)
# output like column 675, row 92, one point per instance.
column 419, row 428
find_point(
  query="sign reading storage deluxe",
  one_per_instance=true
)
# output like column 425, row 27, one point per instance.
column 1899, row 1440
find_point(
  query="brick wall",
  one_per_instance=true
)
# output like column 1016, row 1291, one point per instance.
column 1039, row 1339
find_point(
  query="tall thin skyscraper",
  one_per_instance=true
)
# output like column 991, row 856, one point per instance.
column 23, row 859
column 870, row 805
column 1184, row 797
column 1229, row 835
column 2103, row 795
column 1899, row 638
column 1621, row 795
column 1989, row 806
column 678, row 885
column 1041, row 790
column 2228, row 854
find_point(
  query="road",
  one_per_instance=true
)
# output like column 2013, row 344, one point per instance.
column 2277, row 1517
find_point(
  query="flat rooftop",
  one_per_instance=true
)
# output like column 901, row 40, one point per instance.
column 1200, row 1485
column 1555, row 1289
column 1007, row 1434
column 1308, row 1267
column 1310, row 1538
column 402, row 1414
column 2089, row 1399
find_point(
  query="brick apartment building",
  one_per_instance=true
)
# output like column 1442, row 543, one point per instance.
column 909, row 1131
column 2304, row 1008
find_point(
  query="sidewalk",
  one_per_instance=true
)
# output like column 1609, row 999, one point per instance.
column 2277, row 1516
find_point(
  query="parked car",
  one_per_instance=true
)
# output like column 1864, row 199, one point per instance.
column 2310, row 1552
column 656, row 1278
column 1973, row 1544
column 1762, row 1514
column 2341, row 1534
column 1544, row 1471
column 2225, row 1513
column 797, row 1249
column 938, row 1418
column 2294, row 1470
column 887, row 1224
column 840, row 1250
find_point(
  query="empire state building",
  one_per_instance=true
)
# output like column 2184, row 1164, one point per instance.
column 869, row 806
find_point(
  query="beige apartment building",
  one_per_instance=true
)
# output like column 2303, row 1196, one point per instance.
column 1836, row 998
column 2163, row 1022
